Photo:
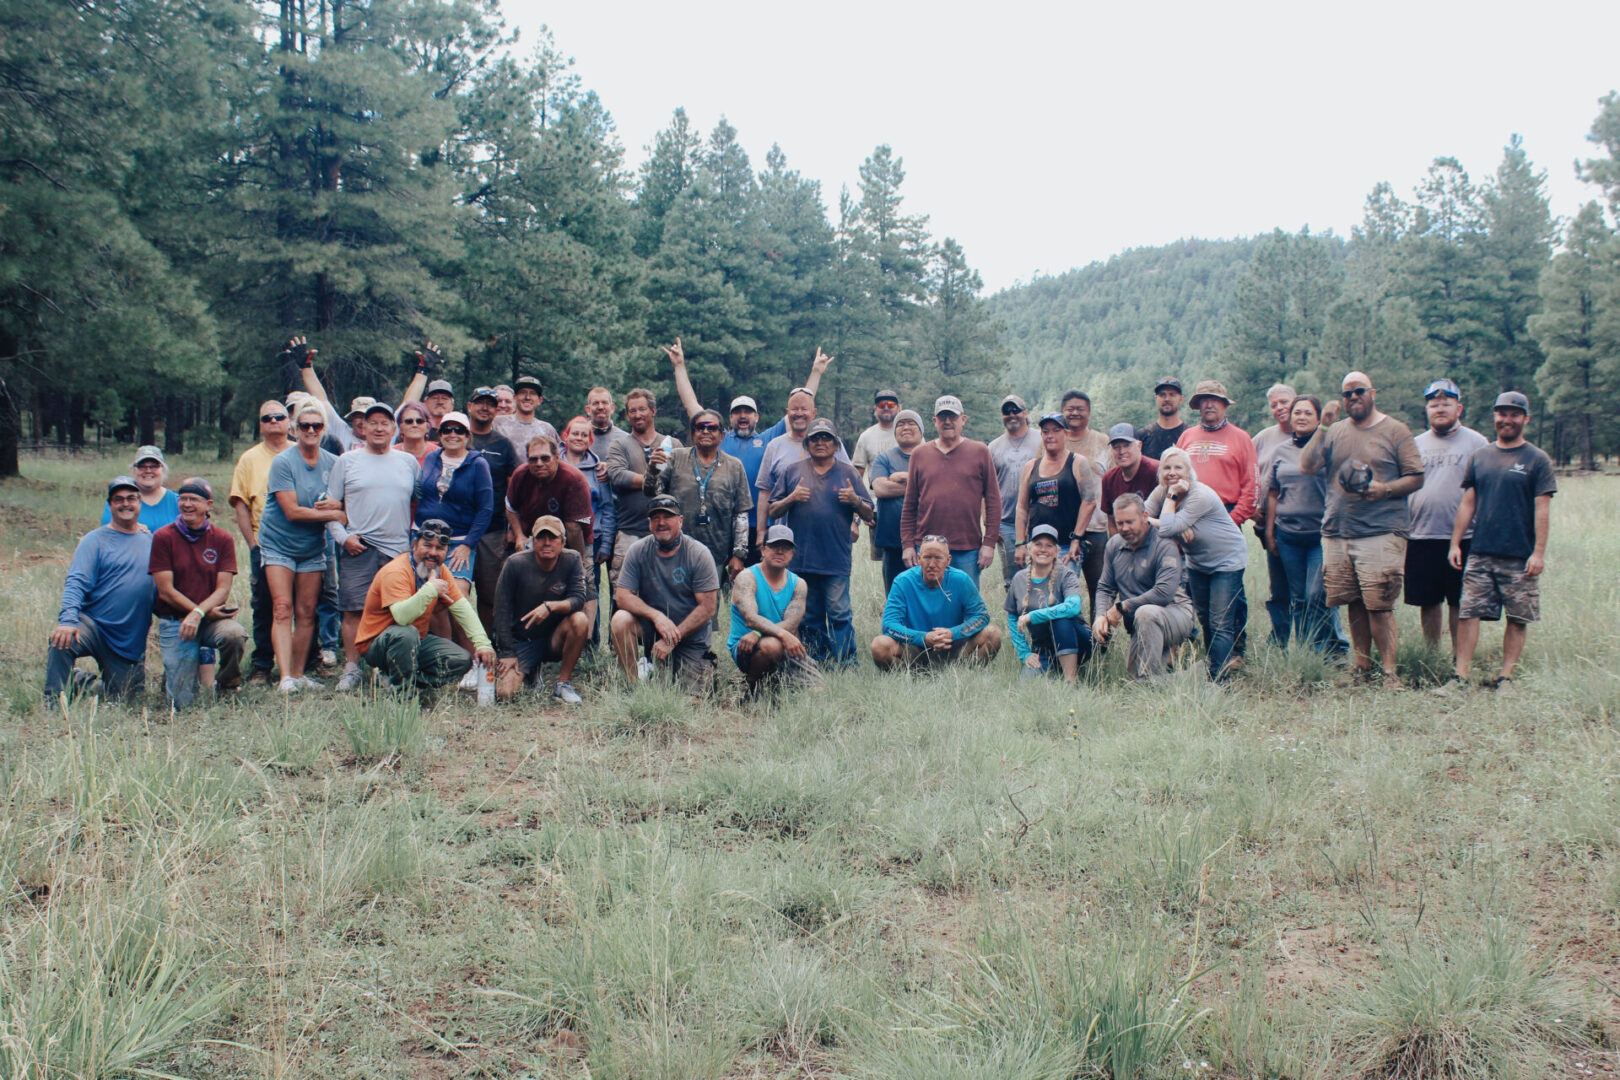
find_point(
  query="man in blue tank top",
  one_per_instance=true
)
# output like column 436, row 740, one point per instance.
column 767, row 605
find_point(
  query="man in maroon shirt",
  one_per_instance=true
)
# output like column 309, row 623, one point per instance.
column 1132, row 471
column 951, row 491
column 193, row 566
column 549, row 485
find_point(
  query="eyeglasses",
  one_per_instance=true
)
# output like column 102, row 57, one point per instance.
column 540, row 459
column 1352, row 394
column 272, row 418
column 443, row 431
column 413, row 420
column 317, row 426
column 706, row 426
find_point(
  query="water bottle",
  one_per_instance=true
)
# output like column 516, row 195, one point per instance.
column 668, row 447
column 485, row 678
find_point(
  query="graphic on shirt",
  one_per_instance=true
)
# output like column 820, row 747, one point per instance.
column 1046, row 491
column 679, row 575
column 209, row 555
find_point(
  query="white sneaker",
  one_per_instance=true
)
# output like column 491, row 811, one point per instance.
column 349, row 680
column 290, row 685
column 644, row 669
column 309, row 684
column 469, row 681
column 565, row 693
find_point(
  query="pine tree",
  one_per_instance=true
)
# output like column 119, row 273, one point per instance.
column 1283, row 302
column 1518, row 243
column 960, row 341
column 1580, row 291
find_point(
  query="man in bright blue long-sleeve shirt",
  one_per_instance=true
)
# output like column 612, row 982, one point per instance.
column 935, row 614
column 106, row 603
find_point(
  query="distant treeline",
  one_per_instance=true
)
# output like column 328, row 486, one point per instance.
column 1460, row 280
column 187, row 183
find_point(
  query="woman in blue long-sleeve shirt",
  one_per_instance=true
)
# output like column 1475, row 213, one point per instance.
column 1044, row 616
column 455, row 488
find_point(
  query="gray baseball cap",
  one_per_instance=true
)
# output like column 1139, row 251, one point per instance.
column 779, row 534
column 439, row 386
column 1122, row 432
column 948, row 403
column 121, row 483
column 1512, row 399
column 821, row 427
column 1044, row 530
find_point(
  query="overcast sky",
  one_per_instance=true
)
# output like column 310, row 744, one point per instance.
column 1046, row 136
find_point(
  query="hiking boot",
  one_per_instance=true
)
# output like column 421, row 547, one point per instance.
column 260, row 677
column 349, row 680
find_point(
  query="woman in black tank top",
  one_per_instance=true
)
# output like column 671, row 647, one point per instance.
column 1054, row 500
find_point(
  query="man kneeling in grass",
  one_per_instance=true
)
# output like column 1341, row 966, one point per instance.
column 767, row 603
column 540, row 613
column 1043, row 611
column 935, row 614
column 404, row 596
column 1141, row 590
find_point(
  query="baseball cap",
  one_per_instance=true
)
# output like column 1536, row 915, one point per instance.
column 886, row 395
column 778, row 534
column 663, row 504
column 119, row 483
column 1053, row 418
column 743, row 401
column 1122, row 431
column 1169, row 382
column 196, row 485
column 382, row 407
column 434, row 529
column 439, row 386
column 361, row 405
column 908, row 414
column 455, row 417
column 530, row 382
column 1043, row 530
column 484, row 392
column 1512, row 399
column 549, row 524
column 148, row 453
column 949, row 403
column 1442, row 386
column 821, row 427
column 1013, row 399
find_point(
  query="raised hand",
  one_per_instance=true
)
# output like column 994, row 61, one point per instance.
column 298, row 351
column 801, row 493
column 819, row 364
column 846, row 494
column 676, row 354
column 428, row 359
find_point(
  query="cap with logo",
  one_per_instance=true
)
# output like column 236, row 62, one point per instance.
column 1512, row 399
column 908, row 414
column 1169, row 382
column 434, row 529
column 779, row 534
column 1015, row 401
column 1122, row 432
column 664, row 504
column 528, row 382
column 819, row 428
column 120, row 483
column 439, row 386
column 743, row 401
column 1442, row 386
column 886, row 395
column 1043, row 530
column 1053, row 418
column 484, row 392
column 548, row 523
column 196, row 485
column 148, row 453
column 362, row 405
column 1209, row 388
column 949, row 403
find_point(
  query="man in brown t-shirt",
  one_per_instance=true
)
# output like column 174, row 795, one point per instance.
column 1372, row 465
column 951, row 492
column 193, row 566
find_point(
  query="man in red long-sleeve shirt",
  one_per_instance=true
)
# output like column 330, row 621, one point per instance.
column 1221, row 451
column 951, row 492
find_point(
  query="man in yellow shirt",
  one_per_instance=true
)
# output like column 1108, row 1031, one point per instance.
column 249, row 483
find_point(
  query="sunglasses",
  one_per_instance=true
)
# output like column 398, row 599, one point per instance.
column 706, row 426
column 413, row 420
column 1351, row 395
column 1013, row 410
column 540, row 459
column 443, row 431
column 933, row 538
column 272, row 418
column 317, row 426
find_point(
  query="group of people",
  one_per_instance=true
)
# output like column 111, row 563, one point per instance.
column 383, row 521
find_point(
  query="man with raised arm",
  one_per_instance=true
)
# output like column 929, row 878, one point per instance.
column 106, row 604
column 767, row 605
column 1372, row 465
column 1141, row 589
column 344, row 429
column 935, row 615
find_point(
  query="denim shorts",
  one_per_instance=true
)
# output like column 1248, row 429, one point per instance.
column 313, row 565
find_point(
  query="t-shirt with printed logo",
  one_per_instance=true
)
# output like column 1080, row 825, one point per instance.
column 196, row 565
column 1506, row 483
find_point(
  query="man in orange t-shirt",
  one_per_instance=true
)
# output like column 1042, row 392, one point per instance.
column 393, row 634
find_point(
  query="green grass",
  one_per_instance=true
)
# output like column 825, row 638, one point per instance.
column 951, row 875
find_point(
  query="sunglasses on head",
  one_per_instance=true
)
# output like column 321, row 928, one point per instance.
column 272, row 418
column 1355, row 392
column 538, row 459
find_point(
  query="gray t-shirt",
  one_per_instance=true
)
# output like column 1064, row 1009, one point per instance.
column 670, row 584
column 1025, row 594
column 376, row 491
column 1009, row 455
column 1216, row 544
column 1433, row 507
column 1388, row 447
column 1300, row 497
column 872, row 442
column 627, row 471
column 519, row 433
column 289, row 472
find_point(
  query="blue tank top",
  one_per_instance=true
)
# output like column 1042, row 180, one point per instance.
column 772, row 605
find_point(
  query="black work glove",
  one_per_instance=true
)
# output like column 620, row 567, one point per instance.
column 428, row 359
column 298, row 351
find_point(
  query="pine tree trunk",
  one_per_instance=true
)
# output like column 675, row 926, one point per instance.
column 76, row 417
column 174, row 425
column 148, row 426
column 1586, row 443
column 10, row 426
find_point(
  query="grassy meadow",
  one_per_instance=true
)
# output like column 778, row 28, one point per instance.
column 957, row 876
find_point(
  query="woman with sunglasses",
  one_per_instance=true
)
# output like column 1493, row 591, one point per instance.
column 1294, row 504
column 578, row 437
column 413, row 420
column 292, row 543
column 455, row 487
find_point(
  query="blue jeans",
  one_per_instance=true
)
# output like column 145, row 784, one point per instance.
column 329, row 624
column 968, row 563
column 180, row 658
column 1313, row 621
column 1009, row 543
column 893, row 566
column 1222, row 609
column 1060, row 637
column 828, row 630
column 1279, row 602
column 119, row 677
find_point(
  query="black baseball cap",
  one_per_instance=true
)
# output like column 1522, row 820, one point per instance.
column 1169, row 382
column 664, row 504
column 529, row 381
column 886, row 395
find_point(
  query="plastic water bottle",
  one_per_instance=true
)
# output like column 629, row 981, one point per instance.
column 668, row 447
column 486, row 683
